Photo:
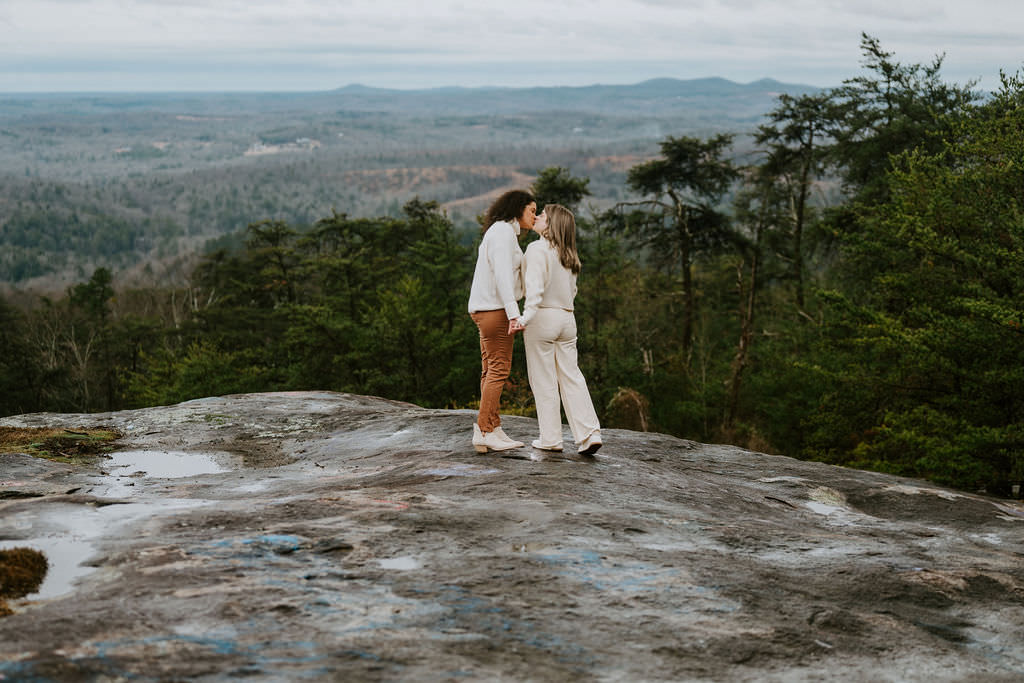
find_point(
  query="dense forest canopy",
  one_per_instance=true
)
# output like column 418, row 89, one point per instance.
column 847, row 287
column 117, row 180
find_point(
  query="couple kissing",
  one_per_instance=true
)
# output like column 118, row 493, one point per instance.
column 546, row 276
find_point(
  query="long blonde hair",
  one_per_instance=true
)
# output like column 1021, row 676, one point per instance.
column 561, row 232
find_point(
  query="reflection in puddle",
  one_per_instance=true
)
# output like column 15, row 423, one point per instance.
column 402, row 563
column 64, row 556
column 163, row 464
column 67, row 535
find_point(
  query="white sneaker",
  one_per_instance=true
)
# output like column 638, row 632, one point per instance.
column 590, row 444
column 536, row 444
column 483, row 442
column 504, row 437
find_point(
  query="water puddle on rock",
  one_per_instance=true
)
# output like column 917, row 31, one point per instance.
column 822, row 508
column 68, row 535
column 165, row 464
column 400, row 563
column 64, row 556
column 122, row 470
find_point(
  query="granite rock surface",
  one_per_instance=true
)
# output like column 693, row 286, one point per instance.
column 323, row 536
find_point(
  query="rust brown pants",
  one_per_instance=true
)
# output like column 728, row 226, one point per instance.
column 496, row 359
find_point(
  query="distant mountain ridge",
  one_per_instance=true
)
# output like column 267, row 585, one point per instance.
column 657, row 97
column 664, row 84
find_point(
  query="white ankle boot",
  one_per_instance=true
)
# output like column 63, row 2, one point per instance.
column 536, row 444
column 495, row 440
column 505, row 437
column 590, row 444
column 478, row 439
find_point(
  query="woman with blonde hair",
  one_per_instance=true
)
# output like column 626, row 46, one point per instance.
column 493, row 304
column 549, row 325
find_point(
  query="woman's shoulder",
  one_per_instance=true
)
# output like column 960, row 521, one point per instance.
column 539, row 245
column 500, row 230
column 500, row 226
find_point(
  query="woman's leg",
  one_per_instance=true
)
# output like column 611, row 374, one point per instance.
column 540, row 367
column 579, row 408
column 496, row 362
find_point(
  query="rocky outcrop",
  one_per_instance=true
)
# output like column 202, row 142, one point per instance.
column 336, row 537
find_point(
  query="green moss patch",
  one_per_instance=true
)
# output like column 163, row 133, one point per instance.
column 74, row 446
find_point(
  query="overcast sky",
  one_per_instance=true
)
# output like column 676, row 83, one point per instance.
column 161, row 45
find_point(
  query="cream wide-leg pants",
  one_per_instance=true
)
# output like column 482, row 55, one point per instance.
column 552, row 369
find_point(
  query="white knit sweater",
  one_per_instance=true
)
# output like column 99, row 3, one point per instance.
column 497, row 280
column 549, row 284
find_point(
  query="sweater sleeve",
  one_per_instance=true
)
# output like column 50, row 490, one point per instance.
column 500, row 255
column 536, row 281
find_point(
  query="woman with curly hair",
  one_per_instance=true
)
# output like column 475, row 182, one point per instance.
column 493, row 305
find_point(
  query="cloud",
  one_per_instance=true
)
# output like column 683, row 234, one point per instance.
column 785, row 39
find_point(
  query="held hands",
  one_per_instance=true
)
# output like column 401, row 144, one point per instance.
column 515, row 326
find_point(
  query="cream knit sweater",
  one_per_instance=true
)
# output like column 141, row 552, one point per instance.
column 549, row 284
column 497, row 280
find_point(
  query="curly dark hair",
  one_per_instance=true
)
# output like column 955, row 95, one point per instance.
column 507, row 207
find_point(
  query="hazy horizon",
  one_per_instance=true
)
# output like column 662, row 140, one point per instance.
column 355, row 85
column 61, row 46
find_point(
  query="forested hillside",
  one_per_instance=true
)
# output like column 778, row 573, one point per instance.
column 845, row 284
column 129, row 181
